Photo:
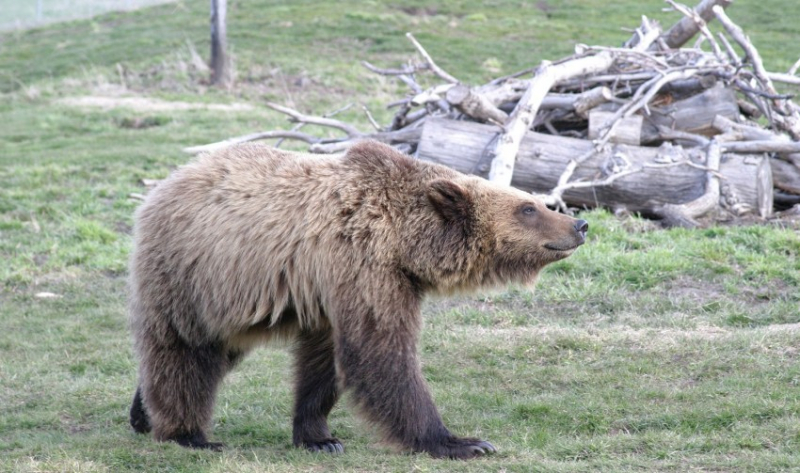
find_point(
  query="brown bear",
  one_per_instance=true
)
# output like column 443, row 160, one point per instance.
column 251, row 244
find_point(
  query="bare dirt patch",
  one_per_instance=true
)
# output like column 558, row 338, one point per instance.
column 147, row 104
column 647, row 339
column 696, row 291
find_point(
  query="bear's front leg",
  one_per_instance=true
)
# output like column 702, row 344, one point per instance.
column 315, row 392
column 377, row 360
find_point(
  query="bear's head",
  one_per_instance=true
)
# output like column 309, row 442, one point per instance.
column 484, row 235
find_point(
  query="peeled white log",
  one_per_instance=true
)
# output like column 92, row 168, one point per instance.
column 547, row 76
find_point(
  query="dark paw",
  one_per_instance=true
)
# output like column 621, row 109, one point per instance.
column 139, row 420
column 140, row 424
column 461, row 448
column 197, row 441
column 329, row 445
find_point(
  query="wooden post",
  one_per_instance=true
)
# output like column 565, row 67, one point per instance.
column 220, row 62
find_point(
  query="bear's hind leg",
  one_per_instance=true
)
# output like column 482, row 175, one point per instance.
column 315, row 392
column 178, row 387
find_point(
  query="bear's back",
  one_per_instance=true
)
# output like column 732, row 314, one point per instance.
column 248, row 231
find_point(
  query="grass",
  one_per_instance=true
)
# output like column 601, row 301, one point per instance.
column 647, row 350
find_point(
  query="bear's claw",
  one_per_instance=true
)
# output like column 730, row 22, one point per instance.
column 483, row 447
column 330, row 445
column 197, row 442
column 462, row 448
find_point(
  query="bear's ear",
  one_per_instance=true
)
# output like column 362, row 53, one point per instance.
column 449, row 199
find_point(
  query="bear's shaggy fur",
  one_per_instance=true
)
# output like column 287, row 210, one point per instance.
column 335, row 254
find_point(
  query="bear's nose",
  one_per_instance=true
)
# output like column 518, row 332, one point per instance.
column 582, row 226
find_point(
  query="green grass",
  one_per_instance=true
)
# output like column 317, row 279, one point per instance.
column 647, row 350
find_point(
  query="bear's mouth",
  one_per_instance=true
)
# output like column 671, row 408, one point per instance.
column 555, row 247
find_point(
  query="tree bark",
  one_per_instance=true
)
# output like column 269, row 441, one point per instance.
column 221, row 75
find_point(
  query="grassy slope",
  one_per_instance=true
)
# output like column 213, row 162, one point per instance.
column 647, row 350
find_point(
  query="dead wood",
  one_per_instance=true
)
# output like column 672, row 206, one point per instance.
column 788, row 116
column 475, row 105
column 684, row 214
column 786, row 176
column 635, row 178
column 654, row 127
column 626, row 131
column 685, row 29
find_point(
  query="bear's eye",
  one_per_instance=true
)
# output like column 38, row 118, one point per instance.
column 529, row 210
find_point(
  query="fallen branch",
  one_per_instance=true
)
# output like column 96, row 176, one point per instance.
column 794, row 68
column 522, row 118
column 314, row 120
column 789, row 117
column 405, row 71
column 555, row 197
column 299, row 126
column 429, row 60
column 744, row 132
column 750, row 147
column 406, row 135
column 294, row 135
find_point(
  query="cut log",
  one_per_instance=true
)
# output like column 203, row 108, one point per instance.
column 664, row 175
column 747, row 182
column 680, row 89
column 696, row 114
column 684, row 214
column 686, row 28
column 474, row 104
column 628, row 131
column 786, row 176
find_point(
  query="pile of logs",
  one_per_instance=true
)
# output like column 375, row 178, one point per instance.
column 653, row 127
